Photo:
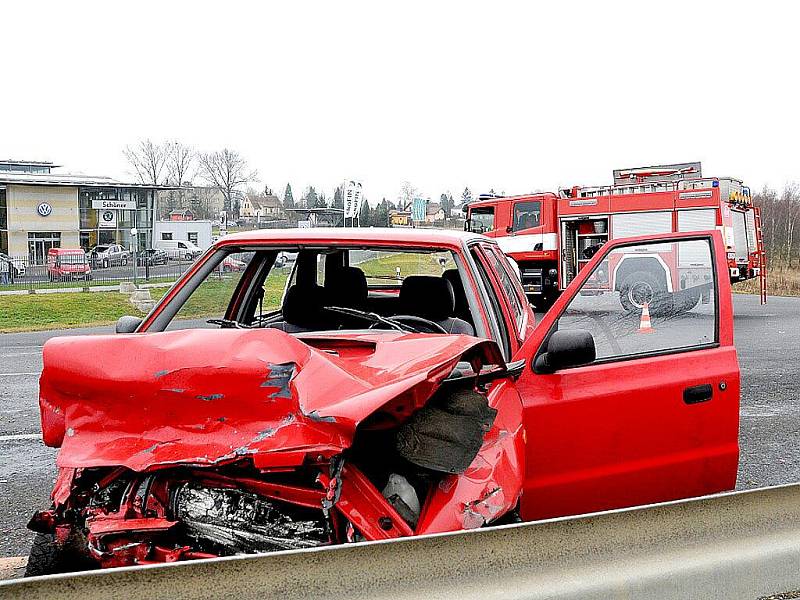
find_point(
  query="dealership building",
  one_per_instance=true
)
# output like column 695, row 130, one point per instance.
column 40, row 210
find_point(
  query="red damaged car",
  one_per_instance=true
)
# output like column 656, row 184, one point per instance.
column 391, row 383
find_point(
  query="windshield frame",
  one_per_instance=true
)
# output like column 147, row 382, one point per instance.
column 166, row 309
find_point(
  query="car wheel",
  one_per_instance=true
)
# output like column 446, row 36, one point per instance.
column 226, row 269
column 188, row 256
column 48, row 557
column 642, row 288
column 105, row 263
column 124, row 261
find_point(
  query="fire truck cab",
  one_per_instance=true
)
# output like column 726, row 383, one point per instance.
column 569, row 228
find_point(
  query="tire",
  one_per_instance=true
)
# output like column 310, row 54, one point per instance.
column 105, row 263
column 226, row 269
column 124, row 261
column 47, row 557
column 188, row 256
column 643, row 287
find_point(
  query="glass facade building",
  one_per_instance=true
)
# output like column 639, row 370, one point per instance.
column 94, row 231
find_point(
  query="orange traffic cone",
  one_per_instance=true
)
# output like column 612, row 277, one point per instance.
column 644, row 324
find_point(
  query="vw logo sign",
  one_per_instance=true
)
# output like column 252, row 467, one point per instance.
column 108, row 216
column 44, row 209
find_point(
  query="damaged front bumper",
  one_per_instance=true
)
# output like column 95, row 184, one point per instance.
column 263, row 442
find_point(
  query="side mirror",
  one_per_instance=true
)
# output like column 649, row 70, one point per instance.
column 509, row 229
column 571, row 348
column 128, row 324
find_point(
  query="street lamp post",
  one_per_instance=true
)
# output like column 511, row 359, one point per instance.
column 134, row 233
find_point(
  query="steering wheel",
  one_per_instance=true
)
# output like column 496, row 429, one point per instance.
column 427, row 325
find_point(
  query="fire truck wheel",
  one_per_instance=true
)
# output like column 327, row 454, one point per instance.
column 642, row 288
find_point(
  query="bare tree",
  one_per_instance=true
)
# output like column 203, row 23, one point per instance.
column 147, row 160
column 407, row 194
column 227, row 171
column 180, row 163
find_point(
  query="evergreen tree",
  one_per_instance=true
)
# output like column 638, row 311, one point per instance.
column 466, row 197
column 288, row 199
column 322, row 201
column 446, row 200
column 365, row 216
column 380, row 218
column 338, row 198
column 310, row 198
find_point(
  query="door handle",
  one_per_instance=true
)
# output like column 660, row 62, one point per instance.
column 698, row 393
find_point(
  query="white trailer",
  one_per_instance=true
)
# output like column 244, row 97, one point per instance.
column 197, row 232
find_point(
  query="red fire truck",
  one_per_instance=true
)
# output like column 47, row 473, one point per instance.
column 552, row 236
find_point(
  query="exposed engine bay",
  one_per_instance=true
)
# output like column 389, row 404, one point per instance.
column 309, row 444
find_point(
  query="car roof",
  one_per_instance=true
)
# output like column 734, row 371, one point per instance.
column 386, row 236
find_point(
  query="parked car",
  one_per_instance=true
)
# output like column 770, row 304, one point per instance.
column 67, row 263
column 16, row 266
column 110, row 255
column 387, row 394
column 151, row 257
column 232, row 264
column 179, row 249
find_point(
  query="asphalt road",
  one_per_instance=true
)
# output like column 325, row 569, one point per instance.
column 766, row 340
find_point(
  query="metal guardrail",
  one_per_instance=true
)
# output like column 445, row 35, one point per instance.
column 736, row 545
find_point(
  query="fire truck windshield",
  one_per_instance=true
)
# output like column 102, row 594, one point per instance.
column 481, row 219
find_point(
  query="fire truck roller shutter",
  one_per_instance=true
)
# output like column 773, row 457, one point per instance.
column 750, row 221
column 740, row 236
column 640, row 223
column 697, row 219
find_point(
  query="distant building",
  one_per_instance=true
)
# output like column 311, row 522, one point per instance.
column 261, row 208
column 434, row 212
column 198, row 232
column 400, row 218
column 40, row 210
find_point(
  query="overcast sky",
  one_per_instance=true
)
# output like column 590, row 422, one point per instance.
column 515, row 96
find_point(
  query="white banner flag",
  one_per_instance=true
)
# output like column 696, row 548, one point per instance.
column 353, row 197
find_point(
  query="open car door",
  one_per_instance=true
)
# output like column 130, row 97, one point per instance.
column 628, row 404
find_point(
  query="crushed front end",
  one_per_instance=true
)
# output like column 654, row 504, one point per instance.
column 285, row 445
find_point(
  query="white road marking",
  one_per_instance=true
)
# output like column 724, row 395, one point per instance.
column 24, row 347
column 20, row 436
column 20, row 374
column 4, row 355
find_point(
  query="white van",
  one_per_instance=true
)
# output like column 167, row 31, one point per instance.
column 179, row 249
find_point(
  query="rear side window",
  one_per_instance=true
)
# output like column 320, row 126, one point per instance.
column 481, row 220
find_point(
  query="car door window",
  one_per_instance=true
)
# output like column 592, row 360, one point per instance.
column 527, row 215
column 510, row 286
column 496, row 318
column 648, row 299
column 210, row 300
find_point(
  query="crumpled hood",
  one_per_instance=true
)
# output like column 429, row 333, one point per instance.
column 209, row 396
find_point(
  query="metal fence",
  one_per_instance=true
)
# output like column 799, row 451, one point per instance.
column 24, row 273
